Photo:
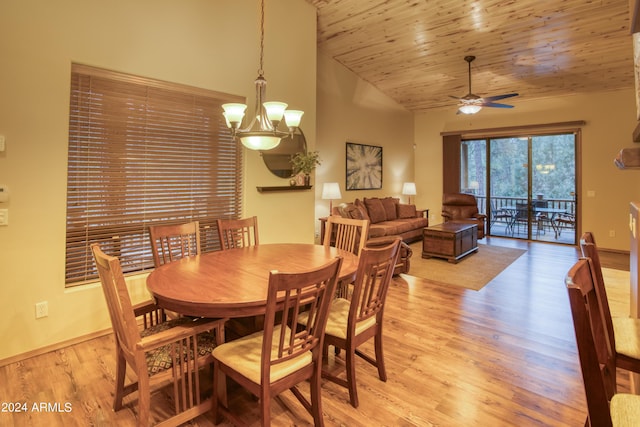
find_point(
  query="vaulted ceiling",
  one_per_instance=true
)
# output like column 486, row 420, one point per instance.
column 413, row 50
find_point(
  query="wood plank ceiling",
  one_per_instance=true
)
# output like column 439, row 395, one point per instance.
column 413, row 50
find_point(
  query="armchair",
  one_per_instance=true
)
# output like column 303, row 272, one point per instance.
column 460, row 207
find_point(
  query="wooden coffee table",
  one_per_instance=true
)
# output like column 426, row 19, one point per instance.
column 450, row 240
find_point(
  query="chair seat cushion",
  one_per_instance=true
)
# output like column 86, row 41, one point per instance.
column 244, row 356
column 625, row 410
column 159, row 359
column 338, row 319
column 626, row 331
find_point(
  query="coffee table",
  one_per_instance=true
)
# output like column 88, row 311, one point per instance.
column 450, row 240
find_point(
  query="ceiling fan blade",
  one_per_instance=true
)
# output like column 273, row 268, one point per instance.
column 496, row 105
column 499, row 97
column 454, row 97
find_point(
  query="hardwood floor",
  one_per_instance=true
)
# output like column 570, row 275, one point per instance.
column 502, row 356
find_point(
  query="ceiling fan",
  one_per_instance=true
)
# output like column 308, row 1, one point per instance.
column 471, row 103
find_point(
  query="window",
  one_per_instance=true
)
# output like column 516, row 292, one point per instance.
column 142, row 151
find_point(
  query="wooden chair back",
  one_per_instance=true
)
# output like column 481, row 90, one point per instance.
column 375, row 270
column 289, row 354
column 589, row 249
column 238, row 233
column 346, row 233
column 293, row 293
column 597, row 359
column 170, row 242
column 154, row 354
column 118, row 301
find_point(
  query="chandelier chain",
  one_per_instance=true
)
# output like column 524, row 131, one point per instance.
column 260, row 70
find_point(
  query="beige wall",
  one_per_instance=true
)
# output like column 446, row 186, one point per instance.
column 204, row 43
column 610, row 120
column 351, row 110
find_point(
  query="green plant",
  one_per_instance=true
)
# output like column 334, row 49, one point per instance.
column 305, row 162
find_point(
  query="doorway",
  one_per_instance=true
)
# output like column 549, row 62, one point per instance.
column 526, row 185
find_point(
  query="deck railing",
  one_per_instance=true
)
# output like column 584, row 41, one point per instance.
column 501, row 201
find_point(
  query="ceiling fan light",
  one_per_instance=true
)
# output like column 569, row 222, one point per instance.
column 469, row 109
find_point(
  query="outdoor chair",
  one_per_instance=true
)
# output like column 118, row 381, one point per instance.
column 564, row 221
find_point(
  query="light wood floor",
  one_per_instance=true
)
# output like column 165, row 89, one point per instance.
column 503, row 356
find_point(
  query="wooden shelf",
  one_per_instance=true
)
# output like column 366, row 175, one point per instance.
column 284, row 188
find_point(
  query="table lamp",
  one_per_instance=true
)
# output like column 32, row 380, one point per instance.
column 331, row 191
column 409, row 189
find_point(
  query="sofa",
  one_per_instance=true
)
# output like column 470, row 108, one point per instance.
column 387, row 217
column 461, row 207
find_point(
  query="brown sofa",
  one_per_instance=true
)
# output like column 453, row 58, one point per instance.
column 460, row 207
column 387, row 217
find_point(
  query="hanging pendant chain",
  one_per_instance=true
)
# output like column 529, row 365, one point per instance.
column 260, row 70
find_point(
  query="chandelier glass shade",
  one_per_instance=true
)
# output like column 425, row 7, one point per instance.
column 262, row 133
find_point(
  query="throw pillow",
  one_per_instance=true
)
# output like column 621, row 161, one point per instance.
column 406, row 211
column 375, row 209
column 362, row 208
column 353, row 212
column 389, row 204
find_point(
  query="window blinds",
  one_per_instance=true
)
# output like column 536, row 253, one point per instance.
column 143, row 151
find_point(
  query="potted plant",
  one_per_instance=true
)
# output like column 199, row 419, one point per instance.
column 304, row 163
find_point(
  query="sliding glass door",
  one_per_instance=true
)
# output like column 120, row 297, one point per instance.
column 525, row 185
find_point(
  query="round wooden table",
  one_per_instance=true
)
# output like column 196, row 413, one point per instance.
column 233, row 283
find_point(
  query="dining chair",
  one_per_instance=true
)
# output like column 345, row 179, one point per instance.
column 170, row 242
column 238, row 233
column 605, row 407
column 623, row 331
column 352, row 323
column 281, row 356
column 171, row 352
column 346, row 233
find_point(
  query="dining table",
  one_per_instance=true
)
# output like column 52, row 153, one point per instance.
column 233, row 283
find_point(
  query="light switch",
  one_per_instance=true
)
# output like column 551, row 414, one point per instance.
column 591, row 193
column 4, row 216
column 2, row 144
column 4, row 193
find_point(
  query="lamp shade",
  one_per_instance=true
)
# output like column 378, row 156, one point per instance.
column 331, row 191
column 409, row 189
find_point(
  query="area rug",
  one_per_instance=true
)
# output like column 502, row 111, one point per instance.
column 472, row 272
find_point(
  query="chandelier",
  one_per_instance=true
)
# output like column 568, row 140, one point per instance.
column 262, row 133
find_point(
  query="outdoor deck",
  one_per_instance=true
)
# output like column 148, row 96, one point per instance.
column 544, row 230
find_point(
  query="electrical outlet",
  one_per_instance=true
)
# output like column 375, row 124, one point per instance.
column 42, row 309
column 612, row 233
